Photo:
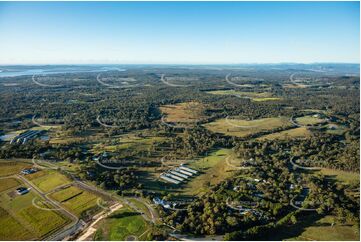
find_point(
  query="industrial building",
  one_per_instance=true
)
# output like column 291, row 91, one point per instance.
column 26, row 136
column 178, row 175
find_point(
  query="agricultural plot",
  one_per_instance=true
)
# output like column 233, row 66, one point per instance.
column 47, row 180
column 301, row 132
column 243, row 128
column 76, row 200
column 12, row 167
column 123, row 225
column 188, row 112
column 19, row 214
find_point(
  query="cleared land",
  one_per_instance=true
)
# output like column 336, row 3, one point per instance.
column 213, row 170
column 322, row 230
column 254, row 96
column 342, row 176
column 12, row 167
column 243, row 128
column 47, row 180
column 123, row 225
column 76, row 200
column 300, row 132
column 188, row 112
column 309, row 120
column 20, row 219
column 133, row 141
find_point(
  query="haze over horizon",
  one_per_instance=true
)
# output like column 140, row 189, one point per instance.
column 179, row 32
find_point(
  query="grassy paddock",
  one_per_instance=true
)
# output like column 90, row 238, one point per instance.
column 47, row 180
column 76, row 200
column 183, row 112
column 301, row 132
column 342, row 176
column 249, row 127
column 12, row 167
column 214, row 170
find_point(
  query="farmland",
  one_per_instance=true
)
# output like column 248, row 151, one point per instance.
column 76, row 200
column 20, row 212
column 48, row 180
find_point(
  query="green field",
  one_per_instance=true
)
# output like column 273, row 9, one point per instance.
column 322, row 230
column 342, row 176
column 243, row 128
column 309, row 120
column 127, row 141
column 47, row 180
column 123, row 225
column 300, row 132
column 19, row 214
column 76, row 199
column 214, row 170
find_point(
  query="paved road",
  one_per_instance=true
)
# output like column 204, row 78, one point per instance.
column 303, row 167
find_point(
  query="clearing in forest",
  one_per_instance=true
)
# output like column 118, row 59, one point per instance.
column 243, row 128
column 301, row 132
column 188, row 112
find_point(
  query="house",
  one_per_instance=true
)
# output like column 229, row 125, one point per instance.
column 22, row 190
column 28, row 171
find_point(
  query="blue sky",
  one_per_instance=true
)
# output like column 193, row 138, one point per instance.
column 178, row 32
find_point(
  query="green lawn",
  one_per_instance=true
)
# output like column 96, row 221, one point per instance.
column 243, row 128
column 122, row 225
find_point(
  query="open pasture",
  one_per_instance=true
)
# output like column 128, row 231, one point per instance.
column 47, row 180
column 187, row 112
column 243, row 128
column 295, row 133
column 14, row 166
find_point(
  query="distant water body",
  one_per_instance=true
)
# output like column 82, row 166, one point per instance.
column 13, row 72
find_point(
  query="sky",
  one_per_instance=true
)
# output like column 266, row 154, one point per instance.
column 179, row 32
